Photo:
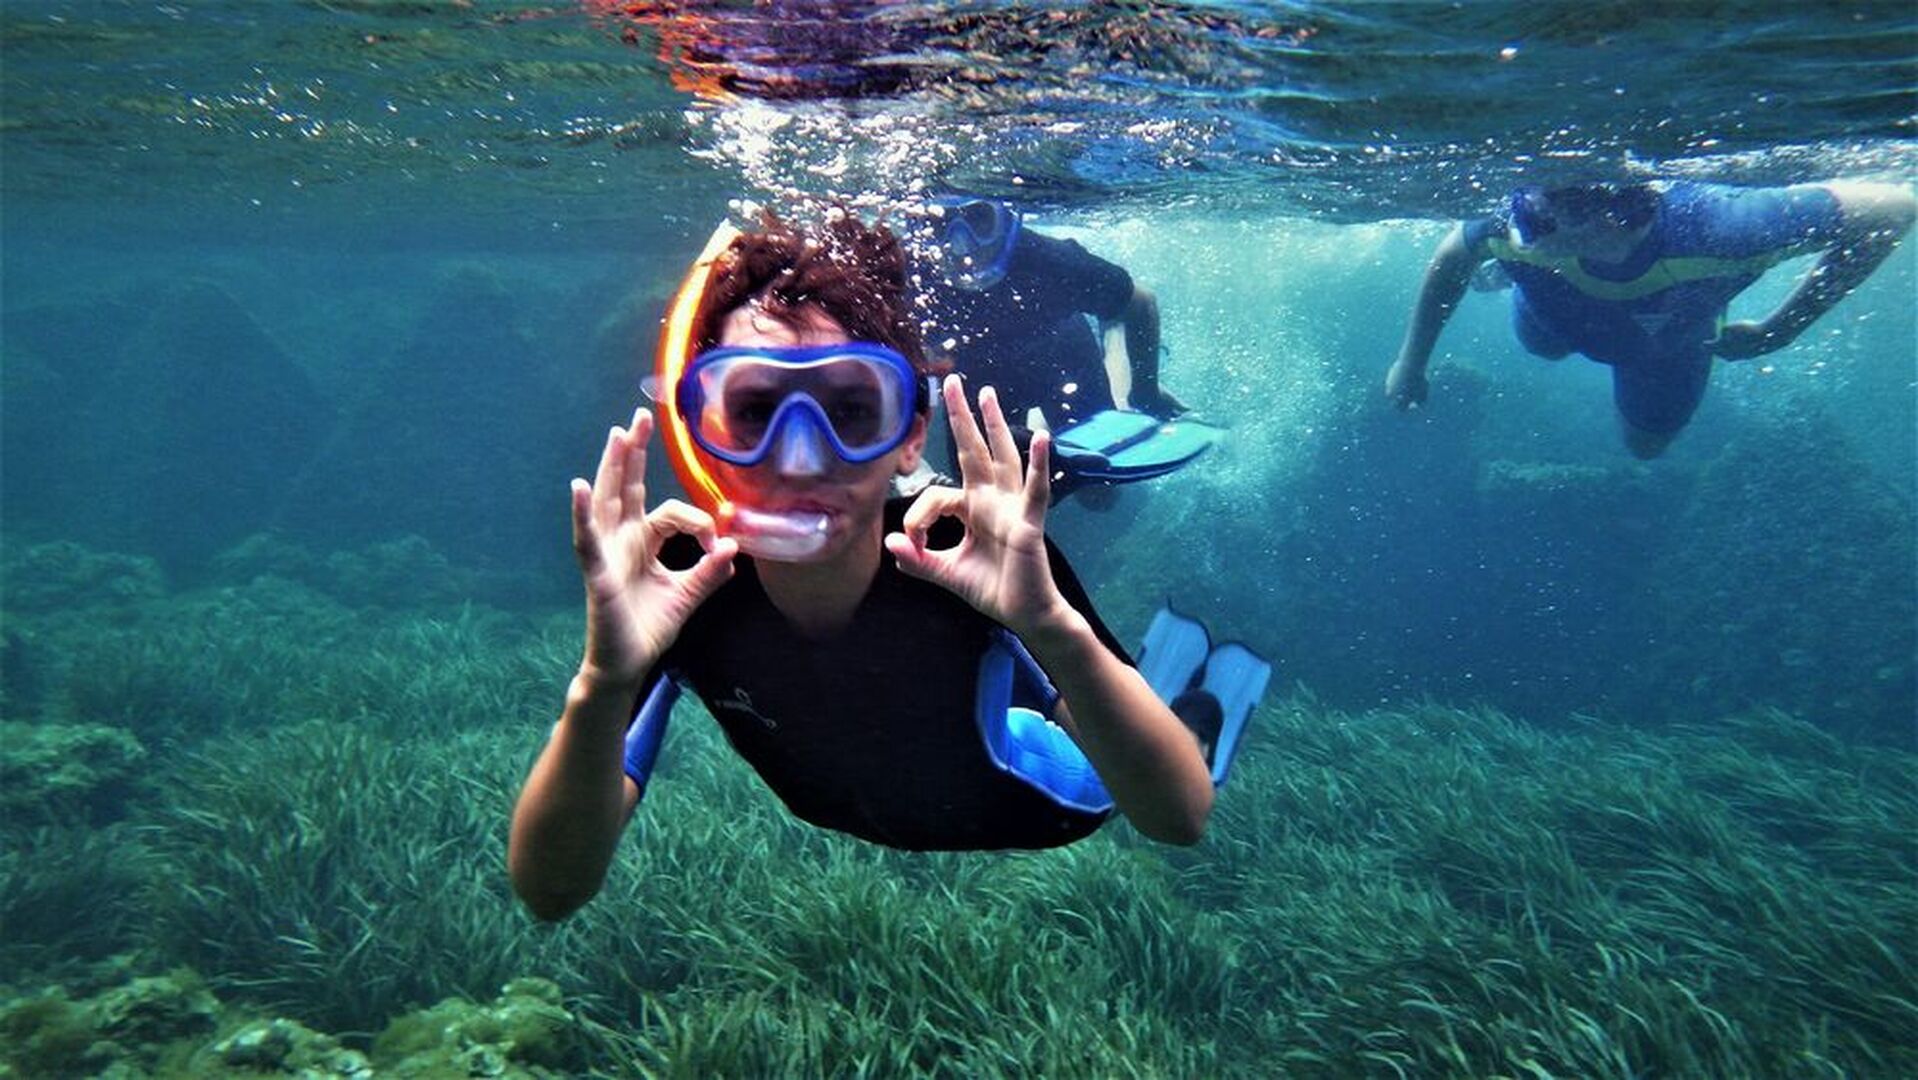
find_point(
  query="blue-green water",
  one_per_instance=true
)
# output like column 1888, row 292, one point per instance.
column 308, row 311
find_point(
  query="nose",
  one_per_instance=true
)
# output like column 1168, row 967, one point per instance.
column 802, row 449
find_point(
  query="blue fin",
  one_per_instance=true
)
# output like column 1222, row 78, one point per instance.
column 1040, row 752
column 1172, row 651
column 1237, row 676
column 1119, row 446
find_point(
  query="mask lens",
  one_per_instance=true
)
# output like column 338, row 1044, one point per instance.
column 740, row 405
column 978, row 226
column 857, row 404
column 1532, row 215
column 742, row 400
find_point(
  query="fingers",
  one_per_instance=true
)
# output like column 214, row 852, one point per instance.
column 932, row 504
column 1039, row 477
column 619, row 485
column 1005, row 452
column 908, row 546
column 975, row 462
column 633, row 490
column 606, row 482
column 988, row 458
column 714, row 569
column 585, row 537
column 914, row 560
column 672, row 517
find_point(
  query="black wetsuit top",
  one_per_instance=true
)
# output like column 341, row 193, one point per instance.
column 1027, row 336
column 873, row 732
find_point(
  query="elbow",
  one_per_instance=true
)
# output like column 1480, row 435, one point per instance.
column 1143, row 305
column 1881, row 213
column 549, row 893
column 1185, row 833
column 1183, row 827
column 552, row 905
column 1904, row 211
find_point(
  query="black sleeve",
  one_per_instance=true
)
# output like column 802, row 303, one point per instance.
column 1075, row 595
column 1076, row 278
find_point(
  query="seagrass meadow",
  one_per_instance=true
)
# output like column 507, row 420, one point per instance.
column 256, row 825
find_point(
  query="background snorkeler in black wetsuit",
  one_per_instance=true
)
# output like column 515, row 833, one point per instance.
column 1019, row 321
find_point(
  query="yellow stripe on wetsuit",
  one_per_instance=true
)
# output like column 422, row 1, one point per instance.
column 1661, row 275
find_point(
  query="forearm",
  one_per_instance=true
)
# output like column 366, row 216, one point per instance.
column 1148, row 760
column 1444, row 285
column 1131, row 344
column 1836, row 275
column 567, row 822
column 1117, row 361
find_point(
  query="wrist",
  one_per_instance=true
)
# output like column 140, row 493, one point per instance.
column 1060, row 626
column 594, row 688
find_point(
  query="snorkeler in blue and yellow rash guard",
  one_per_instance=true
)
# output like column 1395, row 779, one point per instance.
column 1638, row 276
column 914, row 690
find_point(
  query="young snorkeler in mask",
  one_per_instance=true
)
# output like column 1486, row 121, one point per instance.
column 843, row 659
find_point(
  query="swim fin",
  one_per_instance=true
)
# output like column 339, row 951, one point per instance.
column 1174, row 648
column 1177, row 655
column 1237, row 677
column 1178, row 661
column 1118, row 447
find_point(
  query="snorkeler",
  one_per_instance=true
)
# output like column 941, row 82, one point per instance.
column 1637, row 276
column 1008, row 307
column 925, row 676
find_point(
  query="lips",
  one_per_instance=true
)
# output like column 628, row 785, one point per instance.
column 807, row 506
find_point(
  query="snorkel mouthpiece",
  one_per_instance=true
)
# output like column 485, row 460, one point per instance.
column 782, row 536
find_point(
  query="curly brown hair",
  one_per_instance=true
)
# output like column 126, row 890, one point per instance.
column 850, row 270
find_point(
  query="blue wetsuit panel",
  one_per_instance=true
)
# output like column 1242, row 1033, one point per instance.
column 648, row 729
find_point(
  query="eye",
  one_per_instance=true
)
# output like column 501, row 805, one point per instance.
column 854, row 414
column 750, row 411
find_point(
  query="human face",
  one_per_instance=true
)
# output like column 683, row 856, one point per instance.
column 803, row 475
column 975, row 241
column 1566, row 226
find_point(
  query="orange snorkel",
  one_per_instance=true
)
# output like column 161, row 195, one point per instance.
column 789, row 536
column 675, row 352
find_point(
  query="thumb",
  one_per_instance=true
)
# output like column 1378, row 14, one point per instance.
column 714, row 569
column 915, row 561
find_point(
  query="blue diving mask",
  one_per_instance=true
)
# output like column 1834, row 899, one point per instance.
column 855, row 400
column 1531, row 215
column 975, row 240
column 1536, row 213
